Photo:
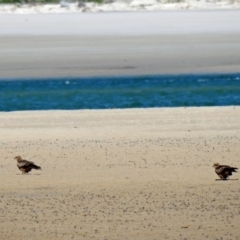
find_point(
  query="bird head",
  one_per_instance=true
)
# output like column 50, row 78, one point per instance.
column 216, row 165
column 18, row 157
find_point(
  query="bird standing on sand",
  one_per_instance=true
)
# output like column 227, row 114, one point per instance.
column 26, row 166
column 224, row 171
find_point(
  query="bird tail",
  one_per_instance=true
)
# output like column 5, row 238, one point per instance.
column 36, row 167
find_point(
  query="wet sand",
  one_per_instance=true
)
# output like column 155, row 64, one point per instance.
column 120, row 174
column 135, row 43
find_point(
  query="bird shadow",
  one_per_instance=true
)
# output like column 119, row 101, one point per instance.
column 234, row 179
column 28, row 174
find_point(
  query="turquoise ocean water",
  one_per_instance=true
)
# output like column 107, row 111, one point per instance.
column 120, row 92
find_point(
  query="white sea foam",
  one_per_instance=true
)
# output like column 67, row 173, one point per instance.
column 65, row 6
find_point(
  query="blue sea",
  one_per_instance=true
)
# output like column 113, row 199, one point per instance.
column 120, row 92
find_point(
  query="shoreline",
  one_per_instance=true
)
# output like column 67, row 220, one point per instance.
column 131, row 75
column 78, row 118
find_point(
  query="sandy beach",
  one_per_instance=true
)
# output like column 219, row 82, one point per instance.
column 120, row 174
column 119, row 43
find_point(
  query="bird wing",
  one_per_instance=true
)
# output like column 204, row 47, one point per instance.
column 25, row 163
column 225, row 169
column 222, row 169
column 226, row 166
column 229, row 167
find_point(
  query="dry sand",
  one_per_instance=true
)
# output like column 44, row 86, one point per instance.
column 120, row 174
column 137, row 43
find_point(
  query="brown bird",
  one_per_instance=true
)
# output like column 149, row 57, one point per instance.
column 26, row 166
column 224, row 171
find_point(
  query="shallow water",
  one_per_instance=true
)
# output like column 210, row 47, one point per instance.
column 120, row 92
